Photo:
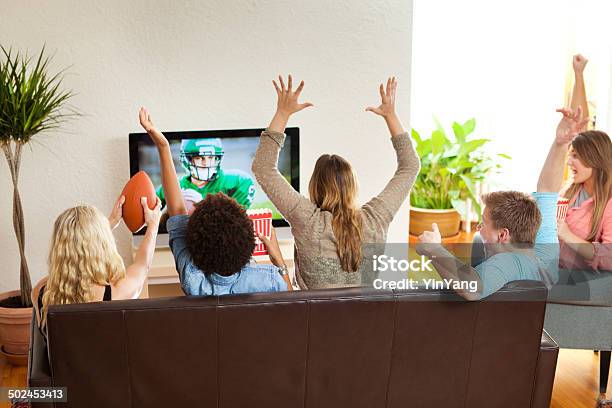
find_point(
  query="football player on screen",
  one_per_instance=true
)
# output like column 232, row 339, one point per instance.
column 202, row 158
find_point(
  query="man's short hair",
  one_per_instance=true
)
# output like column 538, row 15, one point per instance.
column 220, row 235
column 516, row 211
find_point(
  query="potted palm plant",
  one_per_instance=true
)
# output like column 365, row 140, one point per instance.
column 450, row 172
column 31, row 101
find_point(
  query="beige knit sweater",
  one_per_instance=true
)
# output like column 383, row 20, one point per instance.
column 319, row 265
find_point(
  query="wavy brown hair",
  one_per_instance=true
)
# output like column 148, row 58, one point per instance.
column 83, row 254
column 333, row 188
column 594, row 150
column 220, row 235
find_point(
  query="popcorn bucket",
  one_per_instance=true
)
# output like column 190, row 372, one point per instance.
column 262, row 224
column 562, row 206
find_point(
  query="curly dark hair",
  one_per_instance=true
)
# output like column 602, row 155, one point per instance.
column 220, row 235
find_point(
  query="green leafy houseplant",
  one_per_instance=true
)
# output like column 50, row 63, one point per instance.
column 31, row 101
column 451, row 169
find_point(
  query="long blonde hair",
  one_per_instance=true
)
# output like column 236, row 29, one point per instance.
column 333, row 188
column 594, row 150
column 83, row 254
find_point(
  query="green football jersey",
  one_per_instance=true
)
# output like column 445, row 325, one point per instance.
column 235, row 183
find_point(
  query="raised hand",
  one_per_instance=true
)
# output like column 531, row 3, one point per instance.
column 570, row 125
column 116, row 213
column 147, row 124
column 426, row 239
column 579, row 62
column 145, row 119
column 563, row 231
column 287, row 102
column 387, row 96
column 431, row 237
column 151, row 216
column 276, row 256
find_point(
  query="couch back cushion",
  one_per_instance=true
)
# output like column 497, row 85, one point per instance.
column 328, row 348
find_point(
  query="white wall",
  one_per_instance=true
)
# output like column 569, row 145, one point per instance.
column 595, row 41
column 508, row 65
column 199, row 65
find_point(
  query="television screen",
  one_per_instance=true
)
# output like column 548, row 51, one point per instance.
column 217, row 160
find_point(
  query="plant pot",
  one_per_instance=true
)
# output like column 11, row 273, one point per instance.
column 421, row 219
column 14, row 359
column 14, row 328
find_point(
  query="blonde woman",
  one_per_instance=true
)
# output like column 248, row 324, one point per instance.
column 330, row 229
column 84, row 265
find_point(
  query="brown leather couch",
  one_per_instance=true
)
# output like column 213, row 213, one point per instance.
column 326, row 348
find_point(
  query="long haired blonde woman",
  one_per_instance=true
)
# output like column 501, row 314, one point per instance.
column 330, row 228
column 84, row 265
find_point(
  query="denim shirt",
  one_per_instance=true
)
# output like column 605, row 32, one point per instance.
column 251, row 278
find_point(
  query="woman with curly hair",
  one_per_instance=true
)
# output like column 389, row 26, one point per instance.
column 212, row 248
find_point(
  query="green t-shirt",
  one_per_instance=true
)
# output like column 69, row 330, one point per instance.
column 235, row 183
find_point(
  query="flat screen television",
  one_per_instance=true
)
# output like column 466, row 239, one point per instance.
column 219, row 159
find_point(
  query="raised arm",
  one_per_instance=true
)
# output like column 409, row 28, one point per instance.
column 386, row 109
column 276, row 256
column 131, row 286
column 115, row 216
column 579, row 98
column 265, row 163
column 447, row 265
column 551, row 175
column 388, row 202
column 287, row 103
column 172, row 191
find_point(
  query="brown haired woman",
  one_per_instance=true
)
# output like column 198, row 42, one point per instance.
column 585, row 236
column 330, row 229
column 586, row 233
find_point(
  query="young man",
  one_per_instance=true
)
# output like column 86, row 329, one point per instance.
column 202, row 158
column 212, row 248
column 519, row 234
